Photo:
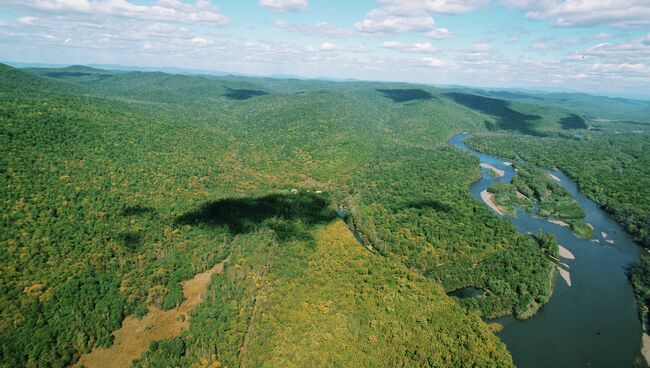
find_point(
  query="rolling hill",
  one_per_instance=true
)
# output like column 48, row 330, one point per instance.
column 118, row 186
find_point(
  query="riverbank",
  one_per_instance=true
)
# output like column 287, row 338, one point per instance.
column 555, row 177
column 591, row 278
column 645, row 346
column 488, row 198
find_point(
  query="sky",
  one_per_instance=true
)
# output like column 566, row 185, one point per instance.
column 593, row 46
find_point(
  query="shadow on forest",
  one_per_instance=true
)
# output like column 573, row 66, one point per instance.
column 426, row 204
column 631, row 122
column 506, row 94
column 131, row 240
column 573, row 121
column 243, row 94
column 289, row 215
column 60, row 75
column 137, row 210
column 403, row 95
column 507, row 118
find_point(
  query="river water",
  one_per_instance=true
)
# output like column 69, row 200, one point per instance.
column 593, row 322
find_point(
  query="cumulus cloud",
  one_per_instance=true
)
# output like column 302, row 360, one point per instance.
column 479, row 54
column 480, row 47
column 107, row 35
column 329, row 46
column 202, row 11
column 631, row 52
column 577, row 57
column 434, row 62
column 381, row 21
column 440, row 34
column 402, row 16
column 29, row 21
column 159, row 33
column 620, row 68
column 587, row 13
column 414, row 7
column 416, row 47
column 201, row 42
column 601, row 36
column 284, row 5
column 320, row 29
column 541, row 46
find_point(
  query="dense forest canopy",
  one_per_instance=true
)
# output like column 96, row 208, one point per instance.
column 118, row 186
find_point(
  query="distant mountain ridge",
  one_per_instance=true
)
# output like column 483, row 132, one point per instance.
column 177, row 70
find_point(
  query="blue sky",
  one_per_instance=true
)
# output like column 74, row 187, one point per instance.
column 596, row 46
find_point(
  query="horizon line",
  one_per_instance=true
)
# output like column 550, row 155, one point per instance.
column 209, row 72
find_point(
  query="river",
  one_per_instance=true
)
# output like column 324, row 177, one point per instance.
column 593, row 322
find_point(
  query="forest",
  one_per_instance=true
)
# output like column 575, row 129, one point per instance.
column 118, row 186
column 611, row 169
column 533, row 187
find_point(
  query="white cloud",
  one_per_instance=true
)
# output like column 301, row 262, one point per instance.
column 541, row 46
column 632, row 52
column 285, row 5
column 415, row 7
column 198, row 41
column 617, row 68
column 587, row 13
column 320, row 29
column 26, row 21
column 402, row 16
column 480, row 55
column 578, row 57
column 440, row 34
column 328, row 46
column 416, row 47
column 126, row 32
column 646, row 40
column 434, row 62
column 381, row 21
column 480, row 47
column 601, row 36
column 202, row 11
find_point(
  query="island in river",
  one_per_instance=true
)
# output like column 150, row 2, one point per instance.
column 591, row 319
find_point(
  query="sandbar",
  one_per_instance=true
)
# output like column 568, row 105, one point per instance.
column 488, row 198
column 565, row 253
column 555, row 178
column 566, row 276
column 559, row 222
column 499, row 172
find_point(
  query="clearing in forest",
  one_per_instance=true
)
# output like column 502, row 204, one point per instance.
column 136, row 334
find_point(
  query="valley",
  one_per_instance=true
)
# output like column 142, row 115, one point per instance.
column 119, row 187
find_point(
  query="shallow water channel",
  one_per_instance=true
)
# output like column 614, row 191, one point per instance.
column 593, row 322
